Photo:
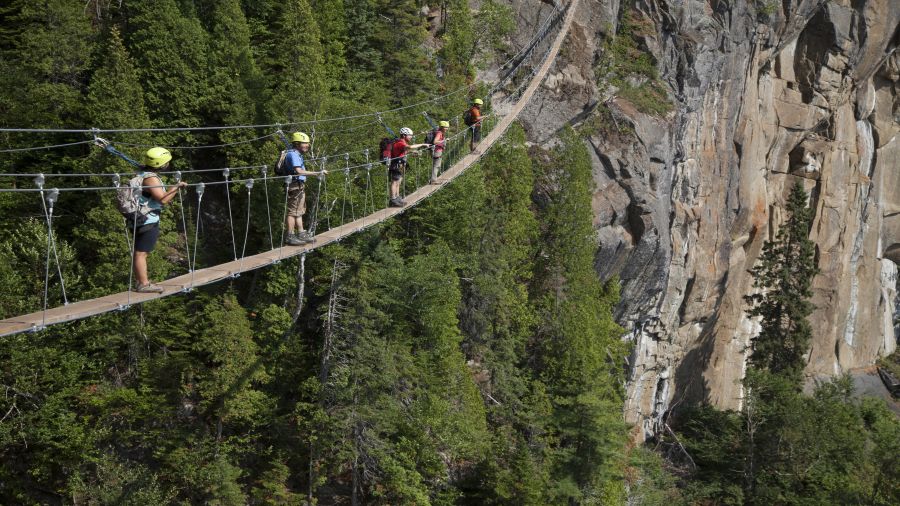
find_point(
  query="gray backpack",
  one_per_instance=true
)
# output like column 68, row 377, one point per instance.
column 129, row 203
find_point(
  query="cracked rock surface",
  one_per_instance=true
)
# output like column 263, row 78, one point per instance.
column 683, row 203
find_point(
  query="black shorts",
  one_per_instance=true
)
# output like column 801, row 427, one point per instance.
column 395, row 173
column 145, row 237
column 476, row 133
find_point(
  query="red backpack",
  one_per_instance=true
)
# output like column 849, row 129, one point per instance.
column 386, row 146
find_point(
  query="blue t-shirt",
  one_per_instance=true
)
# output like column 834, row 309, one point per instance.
column 154, row 204
column 294, row 159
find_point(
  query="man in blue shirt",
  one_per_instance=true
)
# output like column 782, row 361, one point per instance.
column 296, row 205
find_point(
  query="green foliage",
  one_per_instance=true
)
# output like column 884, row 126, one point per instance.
column 170, row 49
column 580, row 350
column 298, row 59
column 787, row 448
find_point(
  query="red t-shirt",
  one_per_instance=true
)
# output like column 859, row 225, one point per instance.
column 439, row 143
column 399, row 149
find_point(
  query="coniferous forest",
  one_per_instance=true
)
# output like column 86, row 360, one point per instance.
column 462, row 353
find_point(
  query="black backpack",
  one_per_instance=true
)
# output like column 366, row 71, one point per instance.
column 468, row 118
column 385, row 147
column 429, row 137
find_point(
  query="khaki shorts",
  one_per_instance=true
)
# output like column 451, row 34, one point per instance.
column 296, row 205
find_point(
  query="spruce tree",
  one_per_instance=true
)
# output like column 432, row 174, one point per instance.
column 170, row 50
column 399, row 34
column 297, row 62
column 784, row 276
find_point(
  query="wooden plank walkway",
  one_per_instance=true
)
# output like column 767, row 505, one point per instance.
column 119, row 301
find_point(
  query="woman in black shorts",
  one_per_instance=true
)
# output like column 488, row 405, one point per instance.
column 155, row 196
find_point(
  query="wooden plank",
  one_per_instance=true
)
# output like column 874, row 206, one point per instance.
column 208, row 275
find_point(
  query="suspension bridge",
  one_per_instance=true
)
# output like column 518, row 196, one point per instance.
column 562, row 20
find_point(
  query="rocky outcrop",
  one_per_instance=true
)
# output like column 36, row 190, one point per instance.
column 765, row 94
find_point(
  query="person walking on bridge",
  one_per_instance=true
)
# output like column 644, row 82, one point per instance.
column 143, row 216
column 472, row 119
column 437, row 149
column 399, row 151
column 296, row 204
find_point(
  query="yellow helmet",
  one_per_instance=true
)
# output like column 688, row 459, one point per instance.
column 444, row 124
column 299, row 137
column 478, row 101
column 157, row 157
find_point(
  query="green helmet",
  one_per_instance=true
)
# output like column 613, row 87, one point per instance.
column 299, row 137
column 157, row 157
column 444, row 124
column 478, row 101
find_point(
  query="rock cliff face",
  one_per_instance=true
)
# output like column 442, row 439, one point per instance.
column 764, row 93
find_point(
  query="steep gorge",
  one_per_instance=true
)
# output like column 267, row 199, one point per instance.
column 764, row 93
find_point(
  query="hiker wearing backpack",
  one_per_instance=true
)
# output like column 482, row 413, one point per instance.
column 291, row 163
column 398, row 164
column 438, row 141
column 472, row 119
column 141, row 202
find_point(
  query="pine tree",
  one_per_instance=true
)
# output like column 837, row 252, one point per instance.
column 784, row 276
column 399, row 35
column 332, row 22
column 170, row 50
column 459, row 39
column 297, row 63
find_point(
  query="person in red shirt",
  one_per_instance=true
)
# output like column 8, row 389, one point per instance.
column 438, row 145
column 473, row 120
column 399, row 151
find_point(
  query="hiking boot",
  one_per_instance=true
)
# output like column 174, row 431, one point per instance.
column 305, row 237
column 396, row 203
column 293, row 240
column 433, row 181
column 149, row 288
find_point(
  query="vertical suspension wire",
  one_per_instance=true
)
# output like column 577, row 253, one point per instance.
column 417, row 169
column 48, row 216
column 368, row 193
column 265, row 171
column 249, row 185
column 53, row 194
column 226, row 173
column 200, row 189
column 133, row 246
column 327, row 207
column 314, row 222
column 352, row 177
column 187, row 244
column 346, row 172
column 287, row 188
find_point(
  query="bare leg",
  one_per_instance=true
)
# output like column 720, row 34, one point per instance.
column 395, row 188
column 140, row 267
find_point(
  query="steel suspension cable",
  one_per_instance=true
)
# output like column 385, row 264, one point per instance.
column 187, row 244
column 268, row 211
column 226, row 173
column 249, row 185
